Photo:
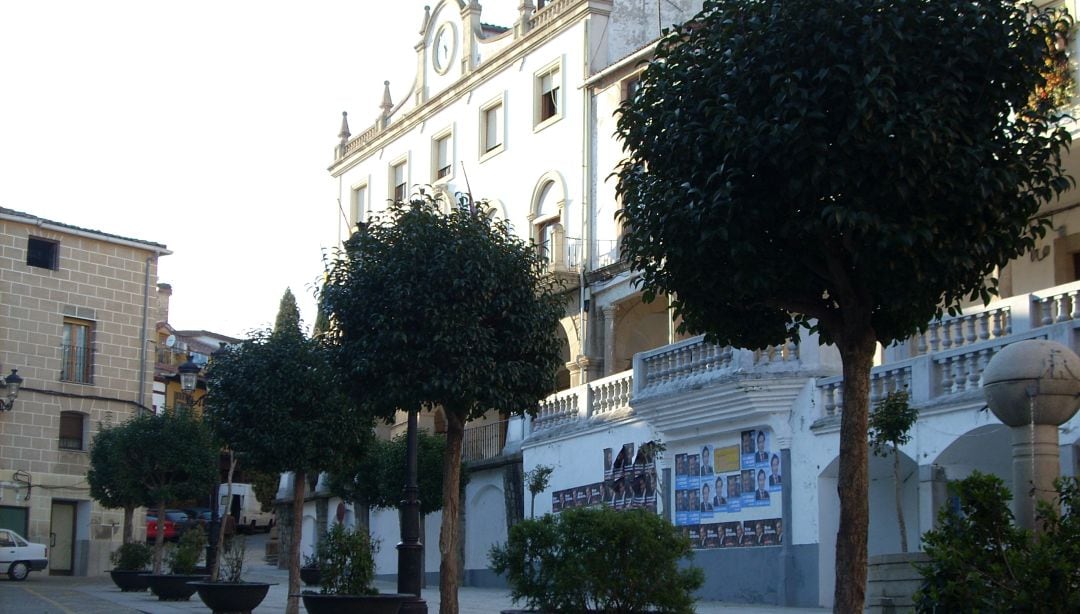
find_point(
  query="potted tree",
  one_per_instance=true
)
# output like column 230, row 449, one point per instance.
column 309, row 571
column 130, row 561
column 230, row 593
column 347, row 569
column 182, row 560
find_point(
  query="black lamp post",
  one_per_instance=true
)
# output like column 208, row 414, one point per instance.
column 12, row 383
column 189, row 375
column 410, row 550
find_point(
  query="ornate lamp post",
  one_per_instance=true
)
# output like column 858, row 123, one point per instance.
column 189, row 375
column 410, row 550
column 12, row 383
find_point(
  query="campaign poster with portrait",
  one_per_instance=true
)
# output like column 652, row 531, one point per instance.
column 630, row 482
column 728, row 493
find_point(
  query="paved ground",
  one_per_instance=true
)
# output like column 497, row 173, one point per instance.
column 44, row 594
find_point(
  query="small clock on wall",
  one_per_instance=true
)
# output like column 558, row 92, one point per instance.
column 445, row 48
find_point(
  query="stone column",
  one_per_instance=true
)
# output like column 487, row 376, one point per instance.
column 610, row 311
column 1033, row 386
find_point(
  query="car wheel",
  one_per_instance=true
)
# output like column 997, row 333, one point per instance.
column 18, row 571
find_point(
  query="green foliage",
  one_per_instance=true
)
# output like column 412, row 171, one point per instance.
column 537, row 479
column 113, row 482
column 288, row 315
column 980, row 562
column 377, row 477
column 442, row 309
column 232, row 560
column 133, row 556
column 891, row 423
column 598, row 559
column 265, row 485
column 168, row 457
column 346, row 562
column 854, row 164
column 184, row 558
column 276, row 400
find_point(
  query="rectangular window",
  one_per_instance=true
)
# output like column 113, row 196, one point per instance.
column 399, row 182
column 548, row 90
column 71, row 430
column 77, row 350
column 42, row 253
column 491, row 127
column 630, row 87
column 359, row 203
column 441, row 158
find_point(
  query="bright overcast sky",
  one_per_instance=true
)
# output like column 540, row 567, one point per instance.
column 204, row 125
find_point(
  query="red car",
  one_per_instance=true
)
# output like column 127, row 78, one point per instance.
column 151, row 529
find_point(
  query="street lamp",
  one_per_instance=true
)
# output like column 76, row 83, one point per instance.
column 12, row 383
column 189, row 376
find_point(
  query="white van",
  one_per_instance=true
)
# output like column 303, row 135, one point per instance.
column 244, row 508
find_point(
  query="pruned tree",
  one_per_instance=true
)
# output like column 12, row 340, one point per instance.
column 114, row 483
column 375, row 479
column 276, row 400
column 170, row 457
column 890, row 428
column 536, row 482
column 854, row 167
column 432, row 310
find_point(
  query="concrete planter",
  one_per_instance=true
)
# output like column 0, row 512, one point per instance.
column 173, row 587
column 232, row 597
column 384, row 603
column 892, row 581
column 128, row 580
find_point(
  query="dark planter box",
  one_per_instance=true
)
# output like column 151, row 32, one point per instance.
column 128, row 580
column 385, row 603
column 173, row 587
column 311, row 576
column 232, row 597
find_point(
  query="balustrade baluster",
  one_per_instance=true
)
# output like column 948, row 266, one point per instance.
column 793, row 350
column 958, row 375
column 968, row 322
column 830, row 400
column 1074, row 313
column 935, row 328
column 1059, row 305
column 984, row 325
column 995, row 319
column 972, row 364
column 1044, row 311
column 946, row 334
column 945, row 370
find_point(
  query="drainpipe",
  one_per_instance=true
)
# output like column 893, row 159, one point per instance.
column 586, row 205
column 142, row 332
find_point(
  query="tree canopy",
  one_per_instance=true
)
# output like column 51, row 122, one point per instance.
column 113, row 482
column 375, row 479
column 853, row 166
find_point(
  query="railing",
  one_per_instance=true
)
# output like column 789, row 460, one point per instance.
column 484, row 441
column 358, row 141
column 595, row 398
column 949, row 359
column 550, row 12
column 78, row 364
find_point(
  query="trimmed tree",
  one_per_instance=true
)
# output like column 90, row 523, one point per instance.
column 276, row 400
column 854, row 167
column 170, row 457
column 890, row 428
column 113, row 483
column 375, row 479
column 452, row 311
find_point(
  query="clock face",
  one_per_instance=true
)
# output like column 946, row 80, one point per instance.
column 445, row 43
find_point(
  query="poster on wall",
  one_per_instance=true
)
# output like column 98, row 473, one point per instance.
column 727, row 494
column 629, row 482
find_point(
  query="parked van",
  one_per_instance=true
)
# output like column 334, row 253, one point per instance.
column 244, row 508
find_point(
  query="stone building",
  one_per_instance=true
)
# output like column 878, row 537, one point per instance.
column 77, row 310
column 526, row 113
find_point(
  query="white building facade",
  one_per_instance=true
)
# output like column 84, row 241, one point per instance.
column 525, row 117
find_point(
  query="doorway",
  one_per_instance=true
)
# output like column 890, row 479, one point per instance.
column 62, row 538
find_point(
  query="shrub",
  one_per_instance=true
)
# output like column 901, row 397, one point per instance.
column 185, row 556
column 600, row 560
column 981, row 562
column 347, row 562
column 232, row 561
column 132, row 557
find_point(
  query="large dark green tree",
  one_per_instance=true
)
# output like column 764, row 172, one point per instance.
column 276, row 400
column 114, row 483
column 452, row 311
column 169, row 457
column 375, row 478
column 851, row 166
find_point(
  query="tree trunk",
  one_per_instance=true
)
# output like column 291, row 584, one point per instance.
column 299, row 489
column 450, row 563
column 159, row 540
column 129, row 524
column 222, row 524
column 857, row 354
column 899, row 500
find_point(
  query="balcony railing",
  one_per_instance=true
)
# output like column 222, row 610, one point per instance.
column 595, row 398
column 78, row 364
column 950, row 357
column 484, row 441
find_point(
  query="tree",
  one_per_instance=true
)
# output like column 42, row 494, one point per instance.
column 169, row 457
column 451, row 311
column 890, row 427
column 536, row 481
column 852, row 167
column 375, row 479
column 112, row 481
column 276, row 400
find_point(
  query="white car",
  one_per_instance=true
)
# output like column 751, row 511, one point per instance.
column 19, row 557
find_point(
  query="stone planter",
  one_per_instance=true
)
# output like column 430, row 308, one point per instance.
column 892, row 581
column 384, row 603
column 173, row 587
column 129, row 580
column 310, row 576
column 232, row 597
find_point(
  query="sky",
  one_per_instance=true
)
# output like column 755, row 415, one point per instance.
column 203, row 125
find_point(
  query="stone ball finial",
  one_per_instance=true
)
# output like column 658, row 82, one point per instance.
column 1033, row 382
